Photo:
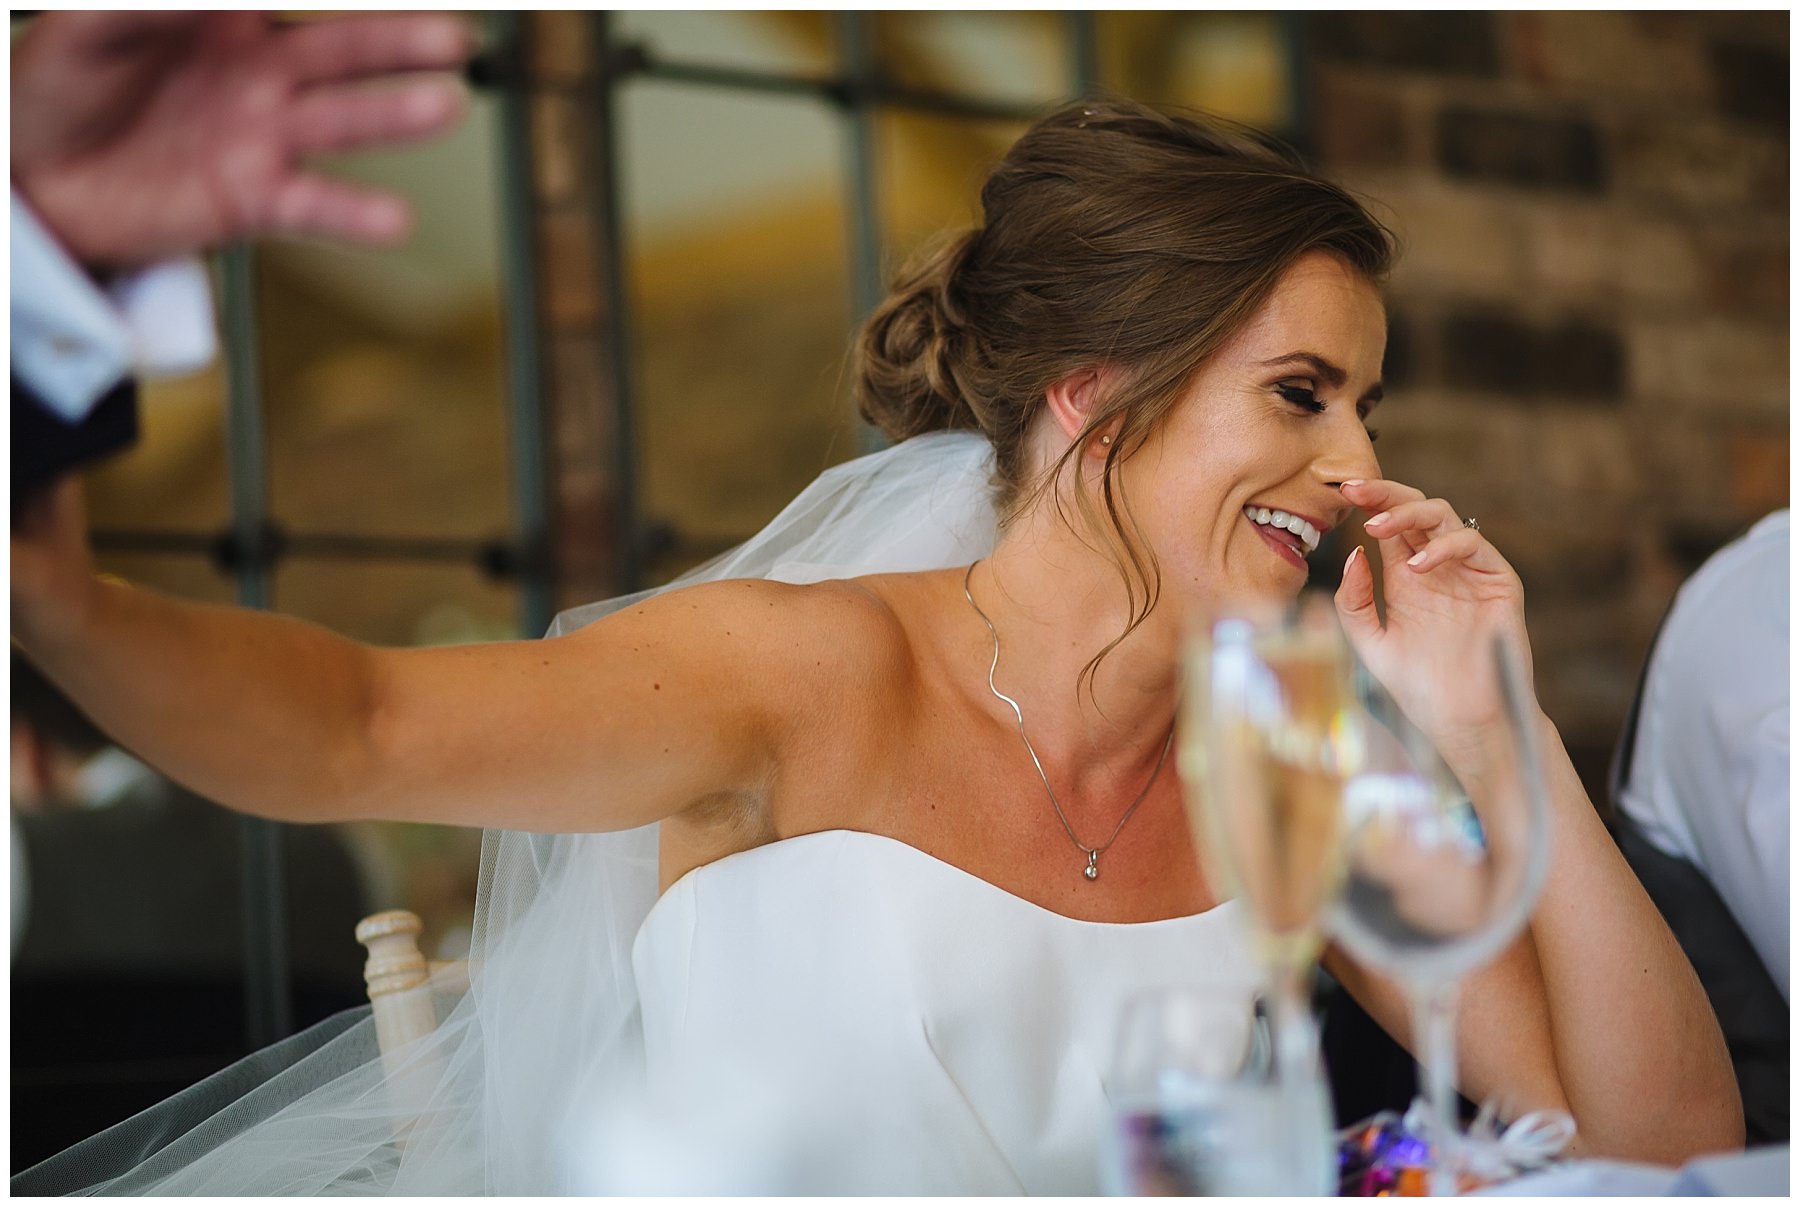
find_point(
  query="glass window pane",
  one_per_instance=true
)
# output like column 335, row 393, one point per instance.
column 740, row 294
column 792, row 43
column 384, row 371
column 398, row 603
column 931, row 172
column 174, row 477
column 1236, row 65
column 187, row 576
column 1015, row 57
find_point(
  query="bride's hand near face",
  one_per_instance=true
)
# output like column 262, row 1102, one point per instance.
column 1443, row 584
column 1560, row 1017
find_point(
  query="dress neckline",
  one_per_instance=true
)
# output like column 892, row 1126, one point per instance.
column 950, row 871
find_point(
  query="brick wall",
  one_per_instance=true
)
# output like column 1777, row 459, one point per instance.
column 1589, row 347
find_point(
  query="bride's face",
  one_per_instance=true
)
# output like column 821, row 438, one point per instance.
column 1272, row 422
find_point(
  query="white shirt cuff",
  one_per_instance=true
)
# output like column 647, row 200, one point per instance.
column 168, row 308
column 72, row 342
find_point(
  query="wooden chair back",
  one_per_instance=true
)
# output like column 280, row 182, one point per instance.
column 401, row 980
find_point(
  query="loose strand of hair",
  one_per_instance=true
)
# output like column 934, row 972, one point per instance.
column 1136, row 562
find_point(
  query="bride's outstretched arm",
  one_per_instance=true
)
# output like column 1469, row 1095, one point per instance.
column 1596, row 1008
column 690, row 697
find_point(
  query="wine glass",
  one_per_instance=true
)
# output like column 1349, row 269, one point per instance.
column 1268, row 741
column 1439, row 879
column 1197, row 1109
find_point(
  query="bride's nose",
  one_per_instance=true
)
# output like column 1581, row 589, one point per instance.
column 1350, row 457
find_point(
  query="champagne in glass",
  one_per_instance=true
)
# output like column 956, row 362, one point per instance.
column 1266, row 747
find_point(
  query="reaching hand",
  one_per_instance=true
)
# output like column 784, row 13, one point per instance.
column 138, row 136
column 1447, row 592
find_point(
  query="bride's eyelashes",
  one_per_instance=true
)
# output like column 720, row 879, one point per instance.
column 1304, row 398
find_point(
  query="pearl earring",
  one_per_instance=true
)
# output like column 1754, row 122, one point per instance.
column 1106, row 440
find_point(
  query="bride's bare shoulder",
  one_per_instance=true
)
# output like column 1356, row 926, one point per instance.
column 867, row 624
column 883, row 621
column 916, row 604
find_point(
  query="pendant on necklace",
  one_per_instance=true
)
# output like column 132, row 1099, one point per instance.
column 1092, row 870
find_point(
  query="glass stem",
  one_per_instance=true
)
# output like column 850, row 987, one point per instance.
column 1296, row 1047
column 1434, row 1033
column 1295, row 1041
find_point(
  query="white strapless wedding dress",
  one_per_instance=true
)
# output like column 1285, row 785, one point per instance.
column 843, row 1013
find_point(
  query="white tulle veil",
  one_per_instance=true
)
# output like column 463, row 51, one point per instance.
column 504, row 1097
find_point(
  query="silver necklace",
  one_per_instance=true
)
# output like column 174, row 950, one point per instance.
column 1092, row 870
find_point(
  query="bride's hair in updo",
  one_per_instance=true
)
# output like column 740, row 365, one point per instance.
column 1114, row 235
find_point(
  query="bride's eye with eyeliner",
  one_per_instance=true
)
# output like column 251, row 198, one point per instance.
column 1301, row 396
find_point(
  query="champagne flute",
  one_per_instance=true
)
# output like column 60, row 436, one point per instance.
column 1267, row 743
column 1441, row 878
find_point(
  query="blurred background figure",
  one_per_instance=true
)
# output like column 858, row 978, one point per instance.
column 1708, row 774
column 141, row 138
column 1702, row 791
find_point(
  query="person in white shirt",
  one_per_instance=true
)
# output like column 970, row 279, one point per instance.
column 140, row 138
column 1709, row 775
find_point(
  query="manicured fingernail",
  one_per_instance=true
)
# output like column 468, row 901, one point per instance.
column 1351, row 560
column 1418, row 558
column 1350, row 482
column 1376, row 519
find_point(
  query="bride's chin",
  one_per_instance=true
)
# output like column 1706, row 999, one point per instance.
column 1203, row 604
column 1290, row 581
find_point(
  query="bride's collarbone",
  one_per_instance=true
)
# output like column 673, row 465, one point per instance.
column 979, row 807
column 895, row 743
column 965, row 807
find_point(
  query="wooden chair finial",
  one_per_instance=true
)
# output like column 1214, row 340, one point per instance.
column 395, row 963
column 388, row 922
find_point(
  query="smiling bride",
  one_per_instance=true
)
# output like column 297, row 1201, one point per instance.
column 829, row 867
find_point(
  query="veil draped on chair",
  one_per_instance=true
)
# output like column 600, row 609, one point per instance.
column 508, row 1094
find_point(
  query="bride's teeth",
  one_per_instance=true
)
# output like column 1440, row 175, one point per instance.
column 1309, row 536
